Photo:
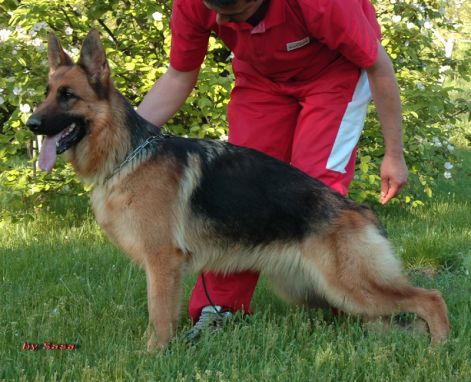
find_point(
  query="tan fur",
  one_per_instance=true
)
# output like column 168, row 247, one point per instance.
column 164, row 271
column 357, row 272
column 145, row 209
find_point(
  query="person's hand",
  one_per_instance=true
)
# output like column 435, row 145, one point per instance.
column 393, row 176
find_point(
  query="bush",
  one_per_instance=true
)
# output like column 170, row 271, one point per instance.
column 136, row 36
column 430, row 113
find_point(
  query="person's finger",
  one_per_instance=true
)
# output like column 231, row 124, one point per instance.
column 384, row 188
column 392, row 191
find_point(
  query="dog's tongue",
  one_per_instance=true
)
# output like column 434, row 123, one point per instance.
column 48, row 156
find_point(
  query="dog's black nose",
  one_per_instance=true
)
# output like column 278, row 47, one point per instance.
column 34, row 123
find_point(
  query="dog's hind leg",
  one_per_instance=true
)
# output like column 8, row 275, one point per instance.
column 430, row 306
column 354, row 267
column 164, row 271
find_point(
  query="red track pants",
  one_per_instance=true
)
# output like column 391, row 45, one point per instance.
column 314, row 126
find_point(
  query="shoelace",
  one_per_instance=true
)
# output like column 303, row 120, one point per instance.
column 210, row 319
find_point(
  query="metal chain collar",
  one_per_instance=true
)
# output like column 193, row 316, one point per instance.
column 130, row 157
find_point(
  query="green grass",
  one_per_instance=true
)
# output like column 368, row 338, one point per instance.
column 438, row 234
column 61, row 281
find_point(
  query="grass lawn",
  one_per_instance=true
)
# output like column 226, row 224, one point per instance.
column 62, row 282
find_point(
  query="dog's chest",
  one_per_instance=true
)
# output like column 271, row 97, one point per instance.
column 114, row 216
column 102, row 203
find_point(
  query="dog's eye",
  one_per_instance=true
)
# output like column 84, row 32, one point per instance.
column 66, row 94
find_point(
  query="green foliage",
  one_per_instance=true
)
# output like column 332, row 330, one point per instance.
column 137, row 40
column 414, row 35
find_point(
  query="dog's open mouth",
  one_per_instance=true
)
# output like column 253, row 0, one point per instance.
column 57, row 144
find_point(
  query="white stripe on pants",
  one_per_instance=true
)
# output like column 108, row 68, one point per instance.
column 351, row 126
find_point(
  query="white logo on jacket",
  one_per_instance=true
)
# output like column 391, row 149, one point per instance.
column 297, row 44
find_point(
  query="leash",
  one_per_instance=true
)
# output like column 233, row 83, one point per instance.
column 209, row 297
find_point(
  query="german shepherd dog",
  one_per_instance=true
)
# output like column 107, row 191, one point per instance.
column 175, row 204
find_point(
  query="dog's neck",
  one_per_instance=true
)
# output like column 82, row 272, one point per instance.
column 138, row 152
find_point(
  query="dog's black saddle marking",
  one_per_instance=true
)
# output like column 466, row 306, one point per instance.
column 251, row 197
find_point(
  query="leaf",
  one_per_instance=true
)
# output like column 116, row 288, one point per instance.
column 204, row 102
column 130, row 65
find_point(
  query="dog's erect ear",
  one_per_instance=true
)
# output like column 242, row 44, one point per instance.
column 93, row 60
column 55, row 54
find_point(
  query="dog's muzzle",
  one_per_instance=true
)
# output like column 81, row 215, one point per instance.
column 61, row 131
column 34, row 123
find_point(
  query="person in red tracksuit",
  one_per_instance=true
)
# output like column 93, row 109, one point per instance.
column 305, row 71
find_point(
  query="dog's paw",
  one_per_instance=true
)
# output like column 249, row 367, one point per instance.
column 154, row 344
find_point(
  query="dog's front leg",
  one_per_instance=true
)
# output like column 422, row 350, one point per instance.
column 164, row 271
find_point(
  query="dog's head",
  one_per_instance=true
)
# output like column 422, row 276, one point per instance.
column 73, row 97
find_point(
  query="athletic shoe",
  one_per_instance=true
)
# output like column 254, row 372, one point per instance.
column 211, row 320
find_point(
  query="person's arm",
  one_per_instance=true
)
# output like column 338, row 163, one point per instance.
column 167, row 95
column 386, row 97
